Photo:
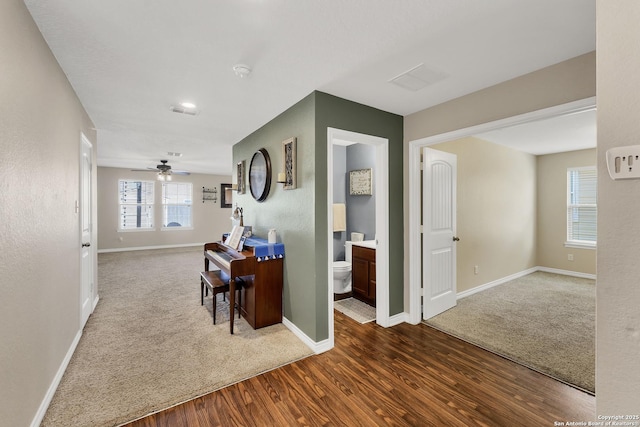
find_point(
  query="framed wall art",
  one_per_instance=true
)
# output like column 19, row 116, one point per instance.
column 226, row 196
column 240, row 170
column 360, row 182
column 289, row 160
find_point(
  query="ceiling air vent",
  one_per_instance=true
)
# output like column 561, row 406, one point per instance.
column 417, row 78
column 183, row 110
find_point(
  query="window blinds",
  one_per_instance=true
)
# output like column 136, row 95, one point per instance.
column 581, row 205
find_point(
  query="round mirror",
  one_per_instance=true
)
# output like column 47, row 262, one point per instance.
column 260, row 175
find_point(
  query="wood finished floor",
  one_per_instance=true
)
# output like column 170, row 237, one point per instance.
column 403, row 376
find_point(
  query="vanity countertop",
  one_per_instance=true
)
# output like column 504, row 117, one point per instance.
column 365, row 243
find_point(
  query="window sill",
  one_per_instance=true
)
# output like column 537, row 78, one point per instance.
column 175, row 228
column 134, row 230
column 580, row 245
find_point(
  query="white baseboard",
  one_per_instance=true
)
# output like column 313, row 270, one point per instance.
column 497, row 282
column 396, row 319
column 316, row 347
column 44, row 405
column 506, row 279
column 567, row 272
column 144, row 248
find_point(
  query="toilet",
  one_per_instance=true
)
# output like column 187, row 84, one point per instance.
column 342, row 272
column 341, row 277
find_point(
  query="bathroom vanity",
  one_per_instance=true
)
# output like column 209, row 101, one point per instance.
column 363, row 273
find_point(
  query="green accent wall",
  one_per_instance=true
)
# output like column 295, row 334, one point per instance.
column 300, row 215
column 290, row 212
column 339, row 113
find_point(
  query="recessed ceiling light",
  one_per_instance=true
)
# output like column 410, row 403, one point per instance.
column 188, row 105
column 174, row 154
column 182, row 109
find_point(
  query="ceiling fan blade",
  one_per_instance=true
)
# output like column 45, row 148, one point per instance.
column 162, row 168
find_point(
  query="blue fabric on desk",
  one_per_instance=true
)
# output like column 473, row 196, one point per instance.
column 263, row 250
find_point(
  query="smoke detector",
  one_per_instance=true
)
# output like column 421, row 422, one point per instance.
column 242, row 70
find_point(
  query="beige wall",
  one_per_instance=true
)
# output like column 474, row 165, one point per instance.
column 40, row 124
column 618, row 288
column 209, row 219
column 552, row 212
column 496, row 215
column 558, row 84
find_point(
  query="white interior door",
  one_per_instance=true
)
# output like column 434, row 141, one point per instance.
column 439, row 232
column 86, row 263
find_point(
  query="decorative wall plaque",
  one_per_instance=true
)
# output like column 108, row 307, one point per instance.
column 289, row 159
column 360, row 182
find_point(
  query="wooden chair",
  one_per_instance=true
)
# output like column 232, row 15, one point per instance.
column 218, row 282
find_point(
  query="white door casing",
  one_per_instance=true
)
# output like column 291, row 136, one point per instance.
column 381, row 187
column 87, row 285
column 415, row 185
column 439, row 225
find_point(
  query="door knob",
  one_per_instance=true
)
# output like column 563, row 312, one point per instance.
column 86, row 245
column 456, row 239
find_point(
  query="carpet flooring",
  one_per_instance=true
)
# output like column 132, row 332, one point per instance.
column 544, row 321
column 150, row 344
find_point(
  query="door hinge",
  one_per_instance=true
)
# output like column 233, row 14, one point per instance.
column 421, row 165
column 422, row 229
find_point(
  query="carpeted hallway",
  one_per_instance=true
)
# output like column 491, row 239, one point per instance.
column 150, row 344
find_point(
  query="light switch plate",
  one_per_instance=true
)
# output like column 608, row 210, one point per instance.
column 624, row 162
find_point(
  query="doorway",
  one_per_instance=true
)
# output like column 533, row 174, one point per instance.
column 415, row 187
column 380, row 181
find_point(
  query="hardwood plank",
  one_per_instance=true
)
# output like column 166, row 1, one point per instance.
column 401, row 376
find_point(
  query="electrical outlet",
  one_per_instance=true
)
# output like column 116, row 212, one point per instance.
column 570, row 257
column 475, row 269
column 624, row 162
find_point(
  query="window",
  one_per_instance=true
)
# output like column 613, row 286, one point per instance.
column 176, row 204
column 581, row 206
column 136, row 205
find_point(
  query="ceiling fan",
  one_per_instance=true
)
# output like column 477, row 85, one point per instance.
column 164, row 171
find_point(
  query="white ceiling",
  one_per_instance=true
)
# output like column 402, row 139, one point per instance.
column 129, row 61
column 576, row 131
